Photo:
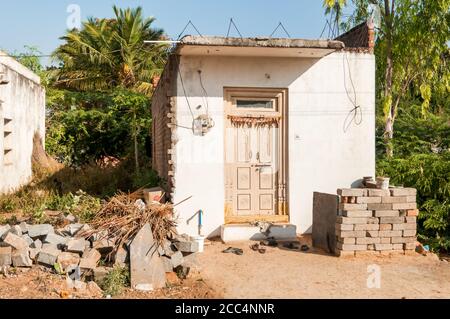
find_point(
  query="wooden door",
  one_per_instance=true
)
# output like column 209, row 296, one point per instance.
column 254, row 156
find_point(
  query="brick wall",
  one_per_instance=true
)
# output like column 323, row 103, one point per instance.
column 376, row 221
column 163, row 110
column 361, row 36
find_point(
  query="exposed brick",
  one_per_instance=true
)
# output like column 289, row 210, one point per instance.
column 397, row 247
column 378, row 192
column 379, row 206
column 385, row 240
column 368, row 200
column 404, row 227
column 348, row 220
column 367, row 227
column 351, row 247
column 411, row 219
column 404, row 206
column 409, row 233
column 351, row 191
column 383, row 247
column 387, row 213
column 411, row 199
column 373, row 220
column 367, row 240
column 372, row 233
column 403, row 240
column 385, row 226
column 403, row 192
column 357, row 213
column 409, row 246
column 344, row 254
column 347, row 207
column 394, row 199
column 347, row 234
column 349, row 240
column 392, row 220
column 345, row 227
column 412, row 212
column 390, row 233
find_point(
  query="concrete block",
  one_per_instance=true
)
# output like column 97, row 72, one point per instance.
column 403, row 240
column 351, row 192
column 367, row 227
column 40, row 230
column 344, row 253
column 392, row 220
column 372, row 192
column 411, row 199
column 344, row 227
column 24, row 227
column 345, row 247
column 412, row 212
column 351, row 220
column 21, row 258
column 394, row 199
column 347, row 207
column 385, row 240
column 403, row 191
column 397, row 248
column 409, row 233
column 385, row 226
column 373, row 220
column 4, row 229
column 379, row 206
column 404, row 227
column 48, row 255
column 381, row 247
column 15, row 241
column 121, row 257
column 387, row 213
column 368, row 200
column 390, row 233
column 28, row 239
column 409, row 246
column 91, row 253
column 368, row 240
column 349, row 234
column 5, row 256
column 411, row 219
column 357, row 213
column 34, row 252
column 54, row 239
column 36, row 244
column 406, row 206
column 287, row 231
column 77, row 245
column 372, row 233
column 88, row 263
column 167, row 264
column 187, row 246
column 347, row 240
column 177, row 259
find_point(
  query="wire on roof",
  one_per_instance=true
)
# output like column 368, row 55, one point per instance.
column 187, row 25
column 284, row 29
column 229, row 28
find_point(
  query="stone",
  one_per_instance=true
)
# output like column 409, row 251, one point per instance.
column 34, row 252
column 15, row 241
column 367, row 227
column 379, row 206
column 385, row 226
column 345, row 227
column 368, row 240
column 28, row 239
column 348, row 220
column 403, row 192
column 66, row 260
column 390, row 233
column 93, row 254
column 351, row 192
column 54, row 239
column 24, row 227
column 187, row 246
column 347, row 241
column 394, row 199
column 4, row 229
column 36, row 244
column 48, row 255
column 351, row 247
column 88, row 263
column 5, row 256
column 121, row 257
column 357, row 213
column 354, row 234
column 40, row 230
column 392, row 220
column 403, row 240
column 382, row 247
column 21, row 258
column 409, row 233
column 94, row 289
column 404, row 226
column 387, row 213
column 368, row 200
column 167, row 264
column 104, row 245
column 16, row 230
column 406, row 206
column 146, row 267
column 177, row 259
column 168, row 248
column 77, row 245
column 347, row 207
column 378, row 192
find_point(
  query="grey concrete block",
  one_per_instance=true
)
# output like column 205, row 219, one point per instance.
column 24, row 227
column 48, row 255
column 36, row 244
column 29, row 240
column 55, row 239
column 77, row 245
column 167, row 264
column 176, row 259
column 15, row 241
column 21, row 258
column 4, row 229
column 187, row 246
column 40, row 230
column 279, row 232
column 5, row 256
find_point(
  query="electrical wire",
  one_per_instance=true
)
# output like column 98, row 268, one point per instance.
column 184, row 91
column 229, row 28
column 204, row 91
column 187, row 25
column 353, row 113
column 284, row 29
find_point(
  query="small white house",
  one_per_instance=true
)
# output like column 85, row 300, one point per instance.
column 245, row 130
column 22, row 120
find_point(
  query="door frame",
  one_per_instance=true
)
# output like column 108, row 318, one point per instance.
column 281, row 94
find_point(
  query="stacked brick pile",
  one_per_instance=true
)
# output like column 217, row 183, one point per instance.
column 376, row 221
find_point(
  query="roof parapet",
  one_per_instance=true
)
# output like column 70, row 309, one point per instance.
column 361, row 37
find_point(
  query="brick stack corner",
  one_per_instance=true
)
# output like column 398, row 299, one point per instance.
column 376, row 221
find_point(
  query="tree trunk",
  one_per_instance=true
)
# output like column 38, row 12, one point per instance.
column 136, row 149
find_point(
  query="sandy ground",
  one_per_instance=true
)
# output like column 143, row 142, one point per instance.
column 283, row 273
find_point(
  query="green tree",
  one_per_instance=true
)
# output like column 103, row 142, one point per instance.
column 107, row 53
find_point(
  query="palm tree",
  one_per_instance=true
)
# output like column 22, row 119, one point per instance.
column 334, row 8
column 108, row 53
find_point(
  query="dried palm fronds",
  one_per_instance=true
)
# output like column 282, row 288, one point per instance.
column 251, row 121
column 121, row 219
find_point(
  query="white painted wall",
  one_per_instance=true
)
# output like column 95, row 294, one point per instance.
column 22, row 100
column 322, row 157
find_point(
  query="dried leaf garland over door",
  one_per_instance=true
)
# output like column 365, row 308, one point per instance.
column 251, row 121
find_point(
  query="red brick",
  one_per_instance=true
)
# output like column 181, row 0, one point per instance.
column 385, row 226
column 412, row 212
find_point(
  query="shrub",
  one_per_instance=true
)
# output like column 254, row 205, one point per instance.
column 115, row 281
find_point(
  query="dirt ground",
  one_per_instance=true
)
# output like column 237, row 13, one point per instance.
column 284, row 273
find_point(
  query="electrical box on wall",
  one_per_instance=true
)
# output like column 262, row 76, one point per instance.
column 202, row 124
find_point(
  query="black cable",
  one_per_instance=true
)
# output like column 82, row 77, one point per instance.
column 284, row 29
column 204, row 91
column 187, row 25
column 353, row 112
column 185, row 93
column 229, row 28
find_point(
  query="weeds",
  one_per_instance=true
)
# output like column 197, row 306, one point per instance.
column 115, row 281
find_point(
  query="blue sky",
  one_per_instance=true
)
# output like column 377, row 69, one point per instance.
column 41, row 23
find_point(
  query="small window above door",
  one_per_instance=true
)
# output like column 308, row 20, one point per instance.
column 255, row 104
